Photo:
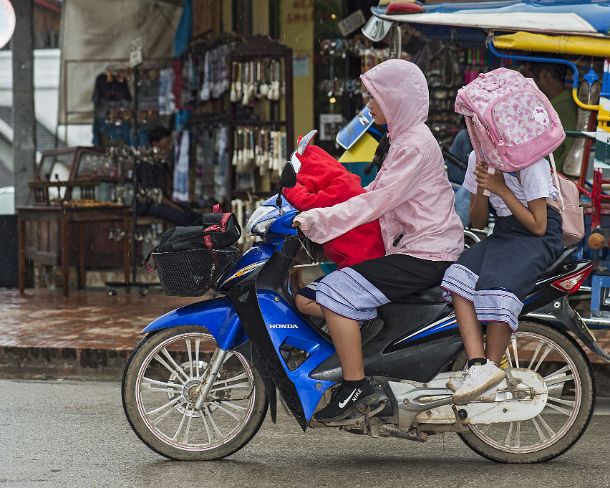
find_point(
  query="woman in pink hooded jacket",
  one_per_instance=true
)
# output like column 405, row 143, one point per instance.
column 422, row 234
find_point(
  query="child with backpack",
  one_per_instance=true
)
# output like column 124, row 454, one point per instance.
column 512, row 125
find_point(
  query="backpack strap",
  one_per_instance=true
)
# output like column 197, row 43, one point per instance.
column 556, row 181
column 224, row 221
column 146, row 264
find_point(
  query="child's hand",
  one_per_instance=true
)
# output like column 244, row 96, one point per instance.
column 299, row 222
column 494, row 183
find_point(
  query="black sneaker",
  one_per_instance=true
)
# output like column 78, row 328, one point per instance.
column 344, row 400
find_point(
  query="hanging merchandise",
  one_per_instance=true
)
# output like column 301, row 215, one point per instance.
column 210, row 74
column 257, row 151
column 370, row 57
column 221, row 168
column 151, row 174
column 181, row 169
column 220, row 70
column 359, row 47
column 112, row 86
column 260, row 79
column 210, row 150
column 148, row 89
column 190, row 80
column 243, row 209
column 112, row 107
column 338, row 87
column 238, row 127
column 475, row 64
column 114, row 97
column 167, row 105
column 204, row 94
column 440, row 62
column 179, row 84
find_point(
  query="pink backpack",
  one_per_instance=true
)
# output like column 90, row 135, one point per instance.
column 511, row 123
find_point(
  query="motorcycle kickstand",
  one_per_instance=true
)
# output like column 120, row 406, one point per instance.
column 372, row 428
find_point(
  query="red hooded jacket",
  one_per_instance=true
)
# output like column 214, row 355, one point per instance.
column 323, row 182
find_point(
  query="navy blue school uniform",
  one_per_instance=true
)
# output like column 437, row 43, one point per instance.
column 498, row 273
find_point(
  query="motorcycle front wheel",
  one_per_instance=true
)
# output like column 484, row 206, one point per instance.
column 159, row 391
column 571, row 395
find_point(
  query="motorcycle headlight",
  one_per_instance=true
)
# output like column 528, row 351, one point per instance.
column 261, row 219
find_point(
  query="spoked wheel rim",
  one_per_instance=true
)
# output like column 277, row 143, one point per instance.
column 544, row 356
column 166, row 387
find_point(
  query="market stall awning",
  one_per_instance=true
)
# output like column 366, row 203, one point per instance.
column 96, row 34
column 590, row 18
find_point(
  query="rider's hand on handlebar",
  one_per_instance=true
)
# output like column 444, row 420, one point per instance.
column 297, row 225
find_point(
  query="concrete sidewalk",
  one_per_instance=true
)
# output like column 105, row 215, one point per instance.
column 90, row 334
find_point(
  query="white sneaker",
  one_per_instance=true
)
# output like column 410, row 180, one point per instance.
column 454, row 384
column 479, row 380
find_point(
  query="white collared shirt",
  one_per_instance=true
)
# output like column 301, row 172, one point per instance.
column 536, row 182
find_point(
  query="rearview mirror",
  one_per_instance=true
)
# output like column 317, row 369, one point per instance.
column 288, row 179
column 376, row 29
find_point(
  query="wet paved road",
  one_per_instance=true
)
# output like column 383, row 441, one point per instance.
column 74, row 434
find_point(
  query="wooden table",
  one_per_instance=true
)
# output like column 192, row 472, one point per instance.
column 47, row 234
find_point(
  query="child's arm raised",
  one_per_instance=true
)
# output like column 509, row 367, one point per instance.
column 532, row 217
column 479, row 209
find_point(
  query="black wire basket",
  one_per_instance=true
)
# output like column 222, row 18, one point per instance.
column 192, row 273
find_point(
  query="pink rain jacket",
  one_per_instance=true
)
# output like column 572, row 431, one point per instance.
column 411, row 195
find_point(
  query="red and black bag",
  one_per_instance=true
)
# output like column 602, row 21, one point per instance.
column 218, row 230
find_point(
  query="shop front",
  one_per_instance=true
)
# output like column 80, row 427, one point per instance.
column 188, row 107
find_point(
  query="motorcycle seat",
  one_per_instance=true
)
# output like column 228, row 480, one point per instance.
column 430, row 295
column 564, row 255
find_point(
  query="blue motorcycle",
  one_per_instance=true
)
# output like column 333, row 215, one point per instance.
column 199, row 384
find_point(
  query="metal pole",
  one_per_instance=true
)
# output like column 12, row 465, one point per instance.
column 134, row 204
column 24, row 117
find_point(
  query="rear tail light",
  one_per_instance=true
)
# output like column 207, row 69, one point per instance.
column 571, row 283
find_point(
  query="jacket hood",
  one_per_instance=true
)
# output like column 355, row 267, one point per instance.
column 401, row 90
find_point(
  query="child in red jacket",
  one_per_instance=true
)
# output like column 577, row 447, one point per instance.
column 323, row 182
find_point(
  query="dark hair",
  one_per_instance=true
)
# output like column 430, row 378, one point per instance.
column 157, row 133
column 557, row 71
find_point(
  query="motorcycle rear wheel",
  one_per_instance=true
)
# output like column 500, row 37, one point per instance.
column 158, row 384
column 567, row 374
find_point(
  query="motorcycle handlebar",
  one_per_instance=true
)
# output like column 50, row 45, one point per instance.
column 463, row 165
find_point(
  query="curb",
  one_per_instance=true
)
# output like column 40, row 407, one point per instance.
column 65, row 363
column 601, row 375
column 108, row 364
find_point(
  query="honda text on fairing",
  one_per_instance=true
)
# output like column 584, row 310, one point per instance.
column 199, row 384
